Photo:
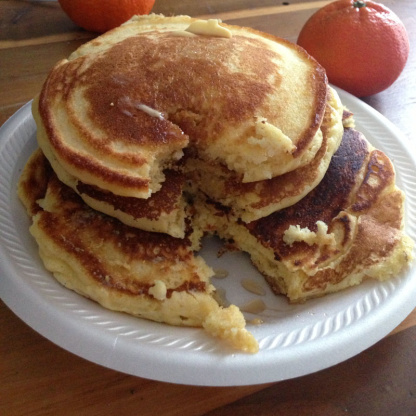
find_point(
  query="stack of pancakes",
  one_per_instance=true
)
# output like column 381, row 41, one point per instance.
column 169, row 128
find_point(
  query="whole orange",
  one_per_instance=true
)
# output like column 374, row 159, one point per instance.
column 102, row 15
column 362, row 45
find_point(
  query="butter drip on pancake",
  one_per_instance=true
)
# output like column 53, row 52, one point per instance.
column 228, row 98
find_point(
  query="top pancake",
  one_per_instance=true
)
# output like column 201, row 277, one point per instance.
column 125, row 105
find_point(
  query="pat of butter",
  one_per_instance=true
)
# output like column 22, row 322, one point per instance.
column 209, row 27
column 159, row 290
column 183, row 33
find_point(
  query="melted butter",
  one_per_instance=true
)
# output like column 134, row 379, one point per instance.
column 253, row 287
column 151, row 111
column 128, row 106
column 255, row 306
column 255, row 321
column 210, row 27
column 221, row 297
column 220, row 273
column 182, row 33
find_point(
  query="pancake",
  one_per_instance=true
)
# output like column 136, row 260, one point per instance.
column 122, row 109
column 149, row 275
column 347, row 229
column 254, row 200
column 166, row 129
column 164, row 211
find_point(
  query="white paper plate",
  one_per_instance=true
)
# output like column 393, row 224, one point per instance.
column 294, row 340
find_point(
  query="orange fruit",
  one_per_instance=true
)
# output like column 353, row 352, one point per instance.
column 362, row 45
column 102, row 15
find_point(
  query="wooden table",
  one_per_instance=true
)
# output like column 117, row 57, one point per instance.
column 39, row 378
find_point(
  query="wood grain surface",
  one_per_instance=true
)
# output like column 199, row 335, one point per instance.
column 40, row 378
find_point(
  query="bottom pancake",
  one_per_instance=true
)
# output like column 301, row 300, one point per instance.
column 347, row 229
column 150, row 275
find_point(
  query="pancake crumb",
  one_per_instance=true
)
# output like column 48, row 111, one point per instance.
column 295, row 233
column 159, row 290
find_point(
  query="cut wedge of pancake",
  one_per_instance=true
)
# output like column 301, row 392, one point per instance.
column 150, row 275
column 251, row 201
column 121, row 110
column 347, row 229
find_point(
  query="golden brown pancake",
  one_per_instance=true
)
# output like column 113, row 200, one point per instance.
column 254, row 200
column 121, row 110
column 347, row 229
column 150, row 275
column 164, row 211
